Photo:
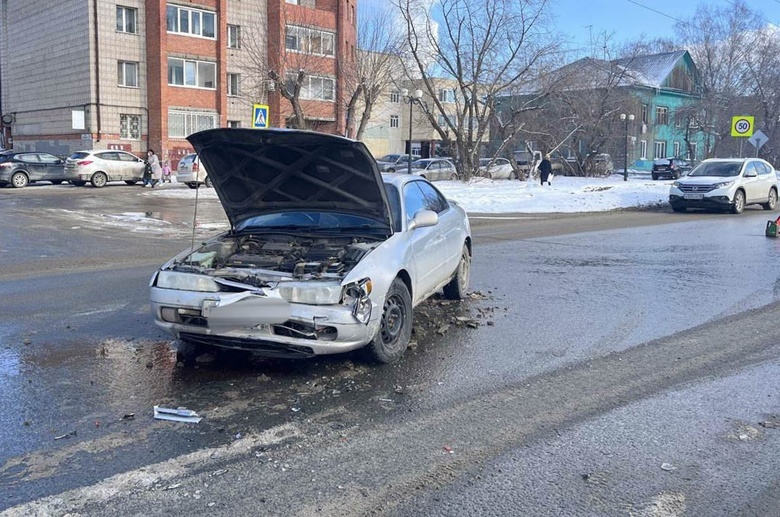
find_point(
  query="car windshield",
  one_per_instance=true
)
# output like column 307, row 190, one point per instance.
column 484, row 162
column 389, row 158
column 720, row 169
column 308, row 221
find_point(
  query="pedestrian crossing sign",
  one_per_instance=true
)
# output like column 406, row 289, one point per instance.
column 260, row 116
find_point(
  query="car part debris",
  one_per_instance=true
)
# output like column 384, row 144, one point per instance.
column 176, row 415
column 66, row 435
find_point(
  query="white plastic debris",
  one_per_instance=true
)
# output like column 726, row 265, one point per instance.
column 176, row 415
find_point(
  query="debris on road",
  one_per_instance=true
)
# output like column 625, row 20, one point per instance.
column 219, row 472
column 668, row 467
column 128, row 416
column 205, row 358
column 176, row 415
column 66, row 435
column 769, row 425
column 448, row 449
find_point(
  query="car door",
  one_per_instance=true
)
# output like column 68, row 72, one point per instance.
column 110, row 164
column 752, row 183
column 132, row 167
column 32, row 164
column 450, row 226
column 766, row 178
column 53, row 167
column 425, row 244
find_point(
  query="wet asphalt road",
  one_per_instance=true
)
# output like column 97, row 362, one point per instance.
column 608, row 345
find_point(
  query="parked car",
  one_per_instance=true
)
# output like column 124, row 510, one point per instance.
column 671, row 168
column 191, row 172
column 19, row 169
column 434, row 169
column 394, row 162
column 99, row 166
column 496, row 169
column 324, row 254
column 726, row 183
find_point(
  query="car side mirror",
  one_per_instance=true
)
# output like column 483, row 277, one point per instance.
column 750, row 174
column 424, row 218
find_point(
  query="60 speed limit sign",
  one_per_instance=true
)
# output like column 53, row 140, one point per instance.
column 742, row 126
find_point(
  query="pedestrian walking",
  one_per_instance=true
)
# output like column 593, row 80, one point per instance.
column 156, row 170
column 545, row 169
column 166, row 172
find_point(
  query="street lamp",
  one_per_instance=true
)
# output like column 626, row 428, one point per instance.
column 627, row 118
column 411, row 98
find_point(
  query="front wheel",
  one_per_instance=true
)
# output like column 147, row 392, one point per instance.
column 739, row 202
column 19, row 180
column 454, row 176
column 131, row 182
column 99, row 180
column 772, row 202
column 395, row 329
column 207, row 182
column 456, row 288
column 678, row 208
column 654, row 176
column 56, row 182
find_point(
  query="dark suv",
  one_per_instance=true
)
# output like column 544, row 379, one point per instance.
column 671, row 168
column 19, row 169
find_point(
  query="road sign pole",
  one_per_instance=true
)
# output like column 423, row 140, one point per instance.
column 741, row 141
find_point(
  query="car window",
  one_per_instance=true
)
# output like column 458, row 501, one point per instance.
column 502, row 161
column 414, row 199
column 48, row 158
column 750, row 168
column 434, row 200
column 394, row 198
column 108, row 156
column 126, row 157
column 762, row 168
column 78, row 156
column 720, row 169
column 30, row 158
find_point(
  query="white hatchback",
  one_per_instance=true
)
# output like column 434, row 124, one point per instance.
column 726, row 184
column 191, row 172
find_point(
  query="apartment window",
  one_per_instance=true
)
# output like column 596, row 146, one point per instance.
column 125, row 19
column 234, row 36
column 661, row 115
column 192, row 22
column 691, row 153
column 643, row 149
column 313, row 87
column 234, row 123
column 676, row 148
column 660, row 150
column 196, row 74
column 130, row 127
column 127, row 74
column 311, row 41
column 232, row 86
column 395, row 96
column 644, row 113
column 394, row 121
column 446, row 95
column 182, row 124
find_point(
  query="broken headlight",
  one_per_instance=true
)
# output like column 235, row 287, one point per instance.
column 186, row 282
column 356, row 296
column 311, row 294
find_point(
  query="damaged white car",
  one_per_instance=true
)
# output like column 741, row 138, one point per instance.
column 324, row 254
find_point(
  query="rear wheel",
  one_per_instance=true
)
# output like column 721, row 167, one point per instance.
column 131, row 182
column 395, row 329
column 56, row 182
column 99, row 180
column 192, row 184
column 739, row 202
column 772, row 202
column 207, row 182
column 454, row 176
column 19, row 180
column 78, row 183
column 456, row 288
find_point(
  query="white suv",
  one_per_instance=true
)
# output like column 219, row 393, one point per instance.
column 191, row 172
column 726, row 184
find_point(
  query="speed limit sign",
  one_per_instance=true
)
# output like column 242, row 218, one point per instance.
column 742, row 126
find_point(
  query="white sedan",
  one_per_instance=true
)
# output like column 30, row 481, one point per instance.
column 324, row 254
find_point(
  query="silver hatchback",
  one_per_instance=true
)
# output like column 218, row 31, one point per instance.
column 100, row 166
column 191, row 172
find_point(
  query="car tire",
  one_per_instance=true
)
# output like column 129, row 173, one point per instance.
column 56, row 182
column 208, row 182
column 192, row 185
column 391, row 170
column 19, row 180
column 679, row 208
column 395, row 328
column 454, row 176
column 654, row 176
column 78, row 183
column 513, row 175
column 772, row 202
column 739, row 202
column 187, row 351
column 131, row 182
column 99, row 179
column 456, row 288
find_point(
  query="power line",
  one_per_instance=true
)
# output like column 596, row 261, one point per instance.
column 666, row 15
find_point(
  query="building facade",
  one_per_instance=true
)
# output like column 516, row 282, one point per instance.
column 145, row 74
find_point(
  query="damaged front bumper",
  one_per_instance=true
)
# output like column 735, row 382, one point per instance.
column 230, row 321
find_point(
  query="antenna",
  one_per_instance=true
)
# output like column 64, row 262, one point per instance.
column 590, row 34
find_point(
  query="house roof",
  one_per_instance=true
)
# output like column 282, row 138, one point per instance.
column 652, row 69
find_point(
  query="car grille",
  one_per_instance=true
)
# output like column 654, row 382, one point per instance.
column 265, row 348
column 699, row 189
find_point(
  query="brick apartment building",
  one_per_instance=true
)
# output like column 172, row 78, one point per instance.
column 139, row 74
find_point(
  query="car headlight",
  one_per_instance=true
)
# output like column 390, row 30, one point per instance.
column 676, row 184
column 724, row 184
column 311, row 294
column 186, row 282
column 356, row 295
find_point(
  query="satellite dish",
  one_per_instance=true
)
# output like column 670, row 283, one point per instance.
column 8, row 119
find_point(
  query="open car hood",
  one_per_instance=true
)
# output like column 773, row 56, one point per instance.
column 259, row 171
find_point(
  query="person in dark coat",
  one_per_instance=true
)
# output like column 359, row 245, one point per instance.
column 545, row 169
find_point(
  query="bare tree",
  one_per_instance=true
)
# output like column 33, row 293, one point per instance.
column 484, row 48
column 761, row 84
